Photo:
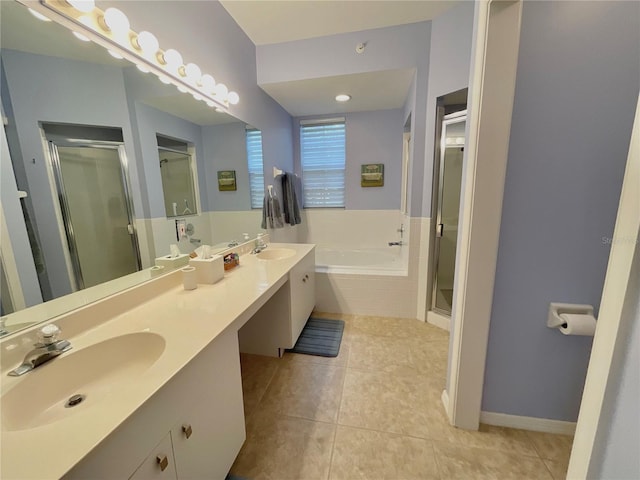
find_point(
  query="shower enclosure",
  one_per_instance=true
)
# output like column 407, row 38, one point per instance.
column 92, row 187
column 452, row 140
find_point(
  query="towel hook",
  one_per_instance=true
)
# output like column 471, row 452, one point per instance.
column 276, row 172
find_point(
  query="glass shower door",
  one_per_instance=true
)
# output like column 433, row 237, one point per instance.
column 97, row 213
column 451, row 155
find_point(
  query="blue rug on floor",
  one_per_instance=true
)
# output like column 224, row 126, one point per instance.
column 320, row 337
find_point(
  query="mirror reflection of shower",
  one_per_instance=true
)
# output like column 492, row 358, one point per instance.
column 176, row 170
column 451, row 152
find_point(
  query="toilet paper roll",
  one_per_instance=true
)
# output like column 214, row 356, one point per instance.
column 189, row 278
column 577, row 324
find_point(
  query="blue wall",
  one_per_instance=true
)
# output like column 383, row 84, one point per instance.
column 576, row 89
column 371, row 137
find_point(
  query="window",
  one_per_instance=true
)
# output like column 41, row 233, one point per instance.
column 322, row 154
column 256, row 168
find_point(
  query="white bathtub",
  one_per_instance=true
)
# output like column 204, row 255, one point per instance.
column 362, row 261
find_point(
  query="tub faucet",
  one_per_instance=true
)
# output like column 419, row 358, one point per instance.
column 47, row 349
column 393, row 244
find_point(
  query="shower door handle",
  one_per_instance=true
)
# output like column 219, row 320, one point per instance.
column 440, row 230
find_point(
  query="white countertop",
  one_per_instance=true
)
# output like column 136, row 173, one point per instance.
column 187, row 320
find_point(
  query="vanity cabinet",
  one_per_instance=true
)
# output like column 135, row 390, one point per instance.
column 196, row 421
column 302, row 282
column 278, row 323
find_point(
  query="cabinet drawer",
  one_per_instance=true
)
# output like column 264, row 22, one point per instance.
column 158, row 465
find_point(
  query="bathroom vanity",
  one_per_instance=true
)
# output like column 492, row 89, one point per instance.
column 157, row 369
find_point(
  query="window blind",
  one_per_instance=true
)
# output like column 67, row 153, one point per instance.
column 256, row 167
column 322, row 153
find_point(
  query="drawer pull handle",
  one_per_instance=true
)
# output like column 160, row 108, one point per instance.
column 187, row 430
column 163, row 461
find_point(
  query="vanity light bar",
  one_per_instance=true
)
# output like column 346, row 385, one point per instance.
column 110, row 28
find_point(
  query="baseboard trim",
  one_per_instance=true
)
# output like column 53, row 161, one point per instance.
column 439, row 320
column 528, row 423
column 445, row 403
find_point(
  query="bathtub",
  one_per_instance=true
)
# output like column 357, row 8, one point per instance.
column 362, row 261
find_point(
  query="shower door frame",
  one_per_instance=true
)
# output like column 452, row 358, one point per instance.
column 449, row 119
column 78, row 281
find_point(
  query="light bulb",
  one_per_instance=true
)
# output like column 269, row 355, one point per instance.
column 172, row 58
column 193, row 72
column 86, row 21
column 115, row 54
column 39, row 16
column 219, row 110
column 208, row 83
column 211, row 103
column 221, row 90
column 165, row 80
column 116, row 21
column 79, row 36
column 198, row 97
column 182, row 89
column 142, row 68
column 147, row 42
column 233, row 98
column 84, row 6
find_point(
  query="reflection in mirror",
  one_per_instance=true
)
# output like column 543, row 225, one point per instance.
column 81, row 209
column 176, row 167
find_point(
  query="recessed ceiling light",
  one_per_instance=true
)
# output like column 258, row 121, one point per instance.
column 343, row 97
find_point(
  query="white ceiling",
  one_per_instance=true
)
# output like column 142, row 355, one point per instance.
column 382, row 90
column 275, row 21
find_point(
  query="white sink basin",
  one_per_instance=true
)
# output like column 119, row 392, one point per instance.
column 276, row 253
column 94, row 372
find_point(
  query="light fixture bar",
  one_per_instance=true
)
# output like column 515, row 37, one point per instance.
column 90, row 25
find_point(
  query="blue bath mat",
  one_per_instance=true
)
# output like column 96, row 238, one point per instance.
column 320, row 337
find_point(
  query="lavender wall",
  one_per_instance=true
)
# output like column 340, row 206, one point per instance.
column 450, row 59
column 371, row 137
column 577, row 84
column 405, row 46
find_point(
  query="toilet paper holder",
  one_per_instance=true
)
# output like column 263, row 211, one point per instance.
column 554, row 319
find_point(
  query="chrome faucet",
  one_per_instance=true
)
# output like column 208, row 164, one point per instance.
column 259, row 244
column 47, row 349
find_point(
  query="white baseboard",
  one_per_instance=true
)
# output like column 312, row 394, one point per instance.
column 439, row 320
column 445, row 402
column 528, row 423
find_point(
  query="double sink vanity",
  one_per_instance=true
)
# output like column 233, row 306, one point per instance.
column 152, row 387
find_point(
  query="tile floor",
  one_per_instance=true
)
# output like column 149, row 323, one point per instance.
column 374, row 412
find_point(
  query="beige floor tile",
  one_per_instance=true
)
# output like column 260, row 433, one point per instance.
column 397, row 327
column 380, row 354
column 465, row 463
column 280, row 448
column 305, row 390
column 430, row 357
column 497, row 438
column 551, row 446
column 365, row 454
column 257, row 372
column 558, row 468
column 387, row 402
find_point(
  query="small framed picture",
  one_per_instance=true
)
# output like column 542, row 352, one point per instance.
column 227, row 180
column 372, row 175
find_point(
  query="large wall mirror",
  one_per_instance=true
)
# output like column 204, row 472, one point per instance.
column 99, row 160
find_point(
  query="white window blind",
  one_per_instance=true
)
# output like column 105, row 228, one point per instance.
column 256, row 167
column 322, row 153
